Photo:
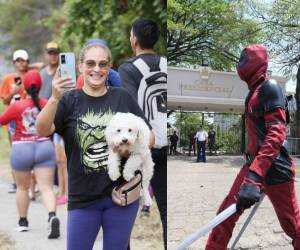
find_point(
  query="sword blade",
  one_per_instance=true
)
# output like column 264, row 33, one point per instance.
column 208, row 227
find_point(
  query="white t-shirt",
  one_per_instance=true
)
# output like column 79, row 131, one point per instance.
column 201, row 136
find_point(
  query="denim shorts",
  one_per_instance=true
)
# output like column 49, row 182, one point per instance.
column 27, row 155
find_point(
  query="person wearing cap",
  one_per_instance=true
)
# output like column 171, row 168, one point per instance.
column 47, row 75
column 81, row 117
column 113, row 79
column 10, row 85
column 11, row 89
column 31, row 152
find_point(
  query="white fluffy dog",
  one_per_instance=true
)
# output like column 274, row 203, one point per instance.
column 128, row 133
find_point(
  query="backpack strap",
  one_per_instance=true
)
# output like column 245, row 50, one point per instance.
column 142, row 66
column 163, row 64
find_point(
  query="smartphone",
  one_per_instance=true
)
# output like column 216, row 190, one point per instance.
column 68, row 67
column 18, row 80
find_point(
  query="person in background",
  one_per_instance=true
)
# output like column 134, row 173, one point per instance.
column 200, row 140
column 192, row 142
column 47, row 75
column 144, row 35
column 146, row 209
column 173, row 139
column 31, row 152
column 211, row 139
column 11, row 89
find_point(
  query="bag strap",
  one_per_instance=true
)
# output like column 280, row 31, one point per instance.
column 139, row 172
column 142, row 66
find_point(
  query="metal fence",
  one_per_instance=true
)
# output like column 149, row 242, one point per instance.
column 228, row 134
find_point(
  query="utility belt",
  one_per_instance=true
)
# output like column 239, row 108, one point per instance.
column 282, row 153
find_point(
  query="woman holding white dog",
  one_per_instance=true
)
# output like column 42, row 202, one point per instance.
column 81, row 116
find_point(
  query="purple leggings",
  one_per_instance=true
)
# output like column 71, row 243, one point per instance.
column 116, row 222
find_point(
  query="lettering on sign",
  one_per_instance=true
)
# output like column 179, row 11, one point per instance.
column 205, row 86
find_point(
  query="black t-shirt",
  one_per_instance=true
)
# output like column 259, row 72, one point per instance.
column 192, row 137
column 131, row 76
column 81, row 120
column 211, row 135
column 174, row 139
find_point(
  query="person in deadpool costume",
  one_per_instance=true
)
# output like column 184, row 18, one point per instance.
column 268, row 167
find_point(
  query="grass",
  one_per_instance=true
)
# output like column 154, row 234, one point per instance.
column 147, row 231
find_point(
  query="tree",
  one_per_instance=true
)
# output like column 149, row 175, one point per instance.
column 186, row 122
column 212, row 31
column 281, row 22
column 109, row 20
column 21, row 28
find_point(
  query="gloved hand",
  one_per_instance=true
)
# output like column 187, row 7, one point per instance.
column 250, row 191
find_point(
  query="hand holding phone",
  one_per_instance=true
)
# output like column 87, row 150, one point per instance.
column 68, row 67
column 18, row 80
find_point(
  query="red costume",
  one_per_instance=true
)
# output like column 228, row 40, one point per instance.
column 268, row 168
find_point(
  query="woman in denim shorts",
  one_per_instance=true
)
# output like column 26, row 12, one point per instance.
column 31, row 152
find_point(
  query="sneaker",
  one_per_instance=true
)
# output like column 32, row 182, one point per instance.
column 12, row 189
column 145, row 211
column 53, row 228
column 23, row 225
column 61, row 200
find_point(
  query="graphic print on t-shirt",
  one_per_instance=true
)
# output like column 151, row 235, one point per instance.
column 28, row 120
column 91, row 140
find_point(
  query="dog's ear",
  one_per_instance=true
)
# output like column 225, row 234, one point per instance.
column 143, row 132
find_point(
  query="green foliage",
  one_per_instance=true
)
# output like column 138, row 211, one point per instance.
column 208, row 30
column 281, row 22
column 229, row 140
column 21, row 28
column 29, row 24
column 186, row 122
column 4, row 142
column 78, row 21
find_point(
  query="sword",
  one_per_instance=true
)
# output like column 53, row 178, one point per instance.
column 253, row 211
column 209, row 226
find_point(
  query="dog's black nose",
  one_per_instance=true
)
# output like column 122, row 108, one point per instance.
column 124, row 140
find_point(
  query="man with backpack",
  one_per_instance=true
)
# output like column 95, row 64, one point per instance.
column 145, row 77
column 268, row 167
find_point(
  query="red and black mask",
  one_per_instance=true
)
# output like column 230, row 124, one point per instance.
column 253, row 65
